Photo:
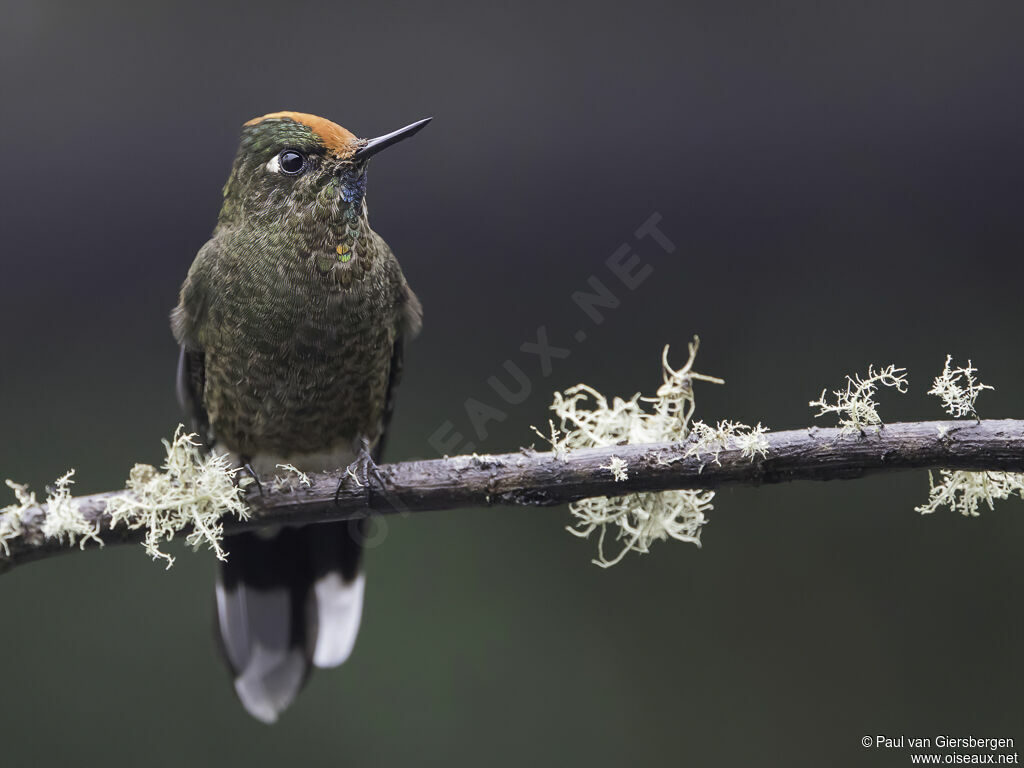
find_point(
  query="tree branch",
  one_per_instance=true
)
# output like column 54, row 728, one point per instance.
column 529, row 478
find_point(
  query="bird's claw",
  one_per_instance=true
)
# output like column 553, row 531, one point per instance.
column 255, row 478
column 360, row 472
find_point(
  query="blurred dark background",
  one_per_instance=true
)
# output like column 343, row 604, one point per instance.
column 843, row 186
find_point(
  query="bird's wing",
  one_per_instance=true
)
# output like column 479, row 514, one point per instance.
column 394, row 378
column 190, row 386
column 411, row 321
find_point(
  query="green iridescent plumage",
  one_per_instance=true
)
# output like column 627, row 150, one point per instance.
column 291, row 323
column 295, row 303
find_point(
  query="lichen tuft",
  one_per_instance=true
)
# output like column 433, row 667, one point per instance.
column 191, row 491
column 617, row 467
column 585, row 418
column 10, row 516
column 293, row 475
column 958, row 389
column 965, row 491
column 855, row 406
column 706, row 440
column 64, row 521
column 62, row 518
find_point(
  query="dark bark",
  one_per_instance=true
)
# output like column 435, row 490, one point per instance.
column 529, row 478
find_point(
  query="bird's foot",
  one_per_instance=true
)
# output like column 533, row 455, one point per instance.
column 360, row 472
column 255, row 478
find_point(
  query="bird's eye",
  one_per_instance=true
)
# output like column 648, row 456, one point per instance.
column 291, row 162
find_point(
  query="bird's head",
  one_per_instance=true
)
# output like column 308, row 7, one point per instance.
column 291, row 164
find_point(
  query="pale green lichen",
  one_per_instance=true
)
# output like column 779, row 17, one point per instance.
column 855, row 406
column 965, row 492
column 958, row 389
column 706, row 440
column 641, row 519
column 191, row 491
column 354, row 477
column 617, row 467
column 587, row 419
column 64, row 521
column 10, row 516
column 293, row 475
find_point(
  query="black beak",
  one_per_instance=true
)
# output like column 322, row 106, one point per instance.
column 373, row 146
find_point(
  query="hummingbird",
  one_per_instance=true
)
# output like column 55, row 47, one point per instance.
column 291, row 324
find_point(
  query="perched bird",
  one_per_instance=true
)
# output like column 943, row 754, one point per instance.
column 291, row 324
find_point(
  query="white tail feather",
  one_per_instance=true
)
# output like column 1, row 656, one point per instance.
column 339, row 606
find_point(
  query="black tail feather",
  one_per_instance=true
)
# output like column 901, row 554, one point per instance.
column 285, row 602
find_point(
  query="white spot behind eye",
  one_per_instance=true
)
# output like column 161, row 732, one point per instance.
column 274, row 166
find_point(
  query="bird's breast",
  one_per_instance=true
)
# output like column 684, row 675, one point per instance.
column 295, row 366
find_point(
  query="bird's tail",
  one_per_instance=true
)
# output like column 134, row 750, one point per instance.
column 285, row 603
